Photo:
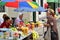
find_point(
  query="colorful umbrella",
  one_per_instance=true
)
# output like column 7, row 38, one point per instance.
column 28, row 4
column 8, row 0
column 23, row 0
column 33, row 4
column 2, row 3
column 15, row 0
column 25, row 9
column 22, row 4
column 29, row 7
column 12, row 4
column 41, row 9
column 25, row 6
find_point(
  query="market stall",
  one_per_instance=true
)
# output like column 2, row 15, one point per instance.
column 29, row 30
column 23, row 33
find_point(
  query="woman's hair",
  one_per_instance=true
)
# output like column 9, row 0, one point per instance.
column 6, row 18
column 4, row 15
column 52, row 12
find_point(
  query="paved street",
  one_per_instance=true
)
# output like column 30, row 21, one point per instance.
column 58, row 26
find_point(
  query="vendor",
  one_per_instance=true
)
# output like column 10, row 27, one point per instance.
column 6, row 23
column 19, row 20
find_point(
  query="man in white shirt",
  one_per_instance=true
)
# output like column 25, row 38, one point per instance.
column 18, row 19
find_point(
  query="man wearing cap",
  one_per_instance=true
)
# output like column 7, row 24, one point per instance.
column 19, row 20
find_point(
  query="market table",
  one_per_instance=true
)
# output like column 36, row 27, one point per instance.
column 11, row 38
column 39, row 30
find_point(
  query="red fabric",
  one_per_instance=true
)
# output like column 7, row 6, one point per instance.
column 15, row 4
column 4, row 24
column 12, row 4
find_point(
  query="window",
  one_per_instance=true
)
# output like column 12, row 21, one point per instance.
column 2, row 6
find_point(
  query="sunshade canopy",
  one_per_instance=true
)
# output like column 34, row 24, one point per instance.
column 22, row 4
column 23, row 0
column 12, row 4
column 8, row 0
column 25, row 9
column 2, row 3
column 41, row 9
column 28, row 4
column 14, row 0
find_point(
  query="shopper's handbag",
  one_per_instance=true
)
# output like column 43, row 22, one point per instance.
column 47, row 35
column 53, row 35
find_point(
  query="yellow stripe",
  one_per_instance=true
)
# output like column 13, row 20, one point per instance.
column 32, row 5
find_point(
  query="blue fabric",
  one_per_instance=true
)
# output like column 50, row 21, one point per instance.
column 24, row 4
column 25, row 9
column 8, row 0
column 41, row 9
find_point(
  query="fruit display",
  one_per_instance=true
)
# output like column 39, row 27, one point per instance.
column 35, row 35
column 22, row 23
column 5, row 35
column 22, row 30
column 15, row 36
column 19, row 27
column 28, row 25
column 38, row 23
column 1, row 34
column 13, row 29
column 25, row 30
column 32, row 25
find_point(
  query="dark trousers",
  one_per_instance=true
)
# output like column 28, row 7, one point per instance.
column 54, row 36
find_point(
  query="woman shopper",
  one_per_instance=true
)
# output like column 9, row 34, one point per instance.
column 52, row 24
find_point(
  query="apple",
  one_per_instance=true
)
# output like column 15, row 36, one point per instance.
column 16, row 35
